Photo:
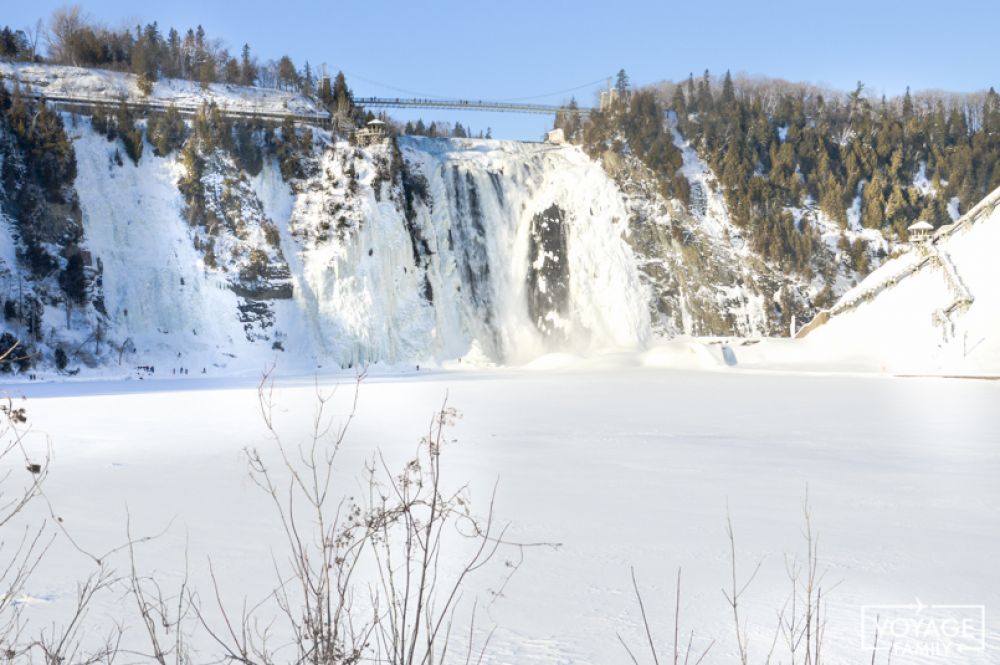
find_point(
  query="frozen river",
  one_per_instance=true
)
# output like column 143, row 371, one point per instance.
column 622, row 468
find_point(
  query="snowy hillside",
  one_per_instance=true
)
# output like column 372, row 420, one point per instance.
column 110, row 87
column 914, row 314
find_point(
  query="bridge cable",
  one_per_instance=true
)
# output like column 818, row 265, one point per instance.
column 557, row 92
column 392, row 87
column 425, row 95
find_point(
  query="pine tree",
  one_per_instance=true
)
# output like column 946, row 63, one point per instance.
column 728, row 97
column 248, row 70
column 308, row 86
column 873, row 203
column 172, row 61
column 705, row 101
column 679, row 105
column 130, row 135
column 622, row 85
column 200, row 52
column 167, row 132
column 692, row 95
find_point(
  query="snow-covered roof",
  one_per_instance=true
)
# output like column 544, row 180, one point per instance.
column 920, row 226
column 375, row 122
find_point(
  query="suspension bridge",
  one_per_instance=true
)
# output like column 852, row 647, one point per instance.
column 235, row 103
column 462, row 105
column 88, row 104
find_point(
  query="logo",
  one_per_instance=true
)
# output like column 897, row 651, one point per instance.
column 935, row 631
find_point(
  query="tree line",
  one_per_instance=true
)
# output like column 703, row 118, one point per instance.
column 443, row 130
column 151, row 53
column 778, row 147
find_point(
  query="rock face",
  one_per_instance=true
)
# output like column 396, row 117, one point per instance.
column 548, row 276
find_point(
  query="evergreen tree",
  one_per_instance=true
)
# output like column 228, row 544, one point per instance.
column 622, row 85
column 728, row 96
column 692, row 95
column 308, row 85
column 167, row 132
column 172, row 61
column 248, row 69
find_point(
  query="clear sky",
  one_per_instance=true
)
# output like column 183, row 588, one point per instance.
column 509, row 49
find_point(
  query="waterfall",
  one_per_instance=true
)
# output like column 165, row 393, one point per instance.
column 485, row 251
column 531, row 250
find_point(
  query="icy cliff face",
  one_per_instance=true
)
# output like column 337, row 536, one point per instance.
column 485, row 251
column 528, row 249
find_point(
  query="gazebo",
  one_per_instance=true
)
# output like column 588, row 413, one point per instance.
column 373, row 132
column 920, row 231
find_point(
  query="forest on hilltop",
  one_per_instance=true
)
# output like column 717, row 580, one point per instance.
column 777, row 147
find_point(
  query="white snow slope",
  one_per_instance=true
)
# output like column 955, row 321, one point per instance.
column 904, row 328
column 109, row 87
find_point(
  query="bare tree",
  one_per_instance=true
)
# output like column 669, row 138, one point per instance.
column 654, row 654
column 67, row 643
column 165, row 617
column 401, row 530
column 56, row 644
column 31, row 542
column 735, row 592
column 64, row 26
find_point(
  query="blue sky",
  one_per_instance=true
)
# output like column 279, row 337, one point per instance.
column 514, row 48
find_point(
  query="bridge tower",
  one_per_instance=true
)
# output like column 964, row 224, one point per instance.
column 609, row 97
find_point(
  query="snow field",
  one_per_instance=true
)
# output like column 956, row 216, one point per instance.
column 623, row 467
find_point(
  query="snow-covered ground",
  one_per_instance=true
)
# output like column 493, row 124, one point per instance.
column 625, row 467
column 906, row 327
column 109, row 87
